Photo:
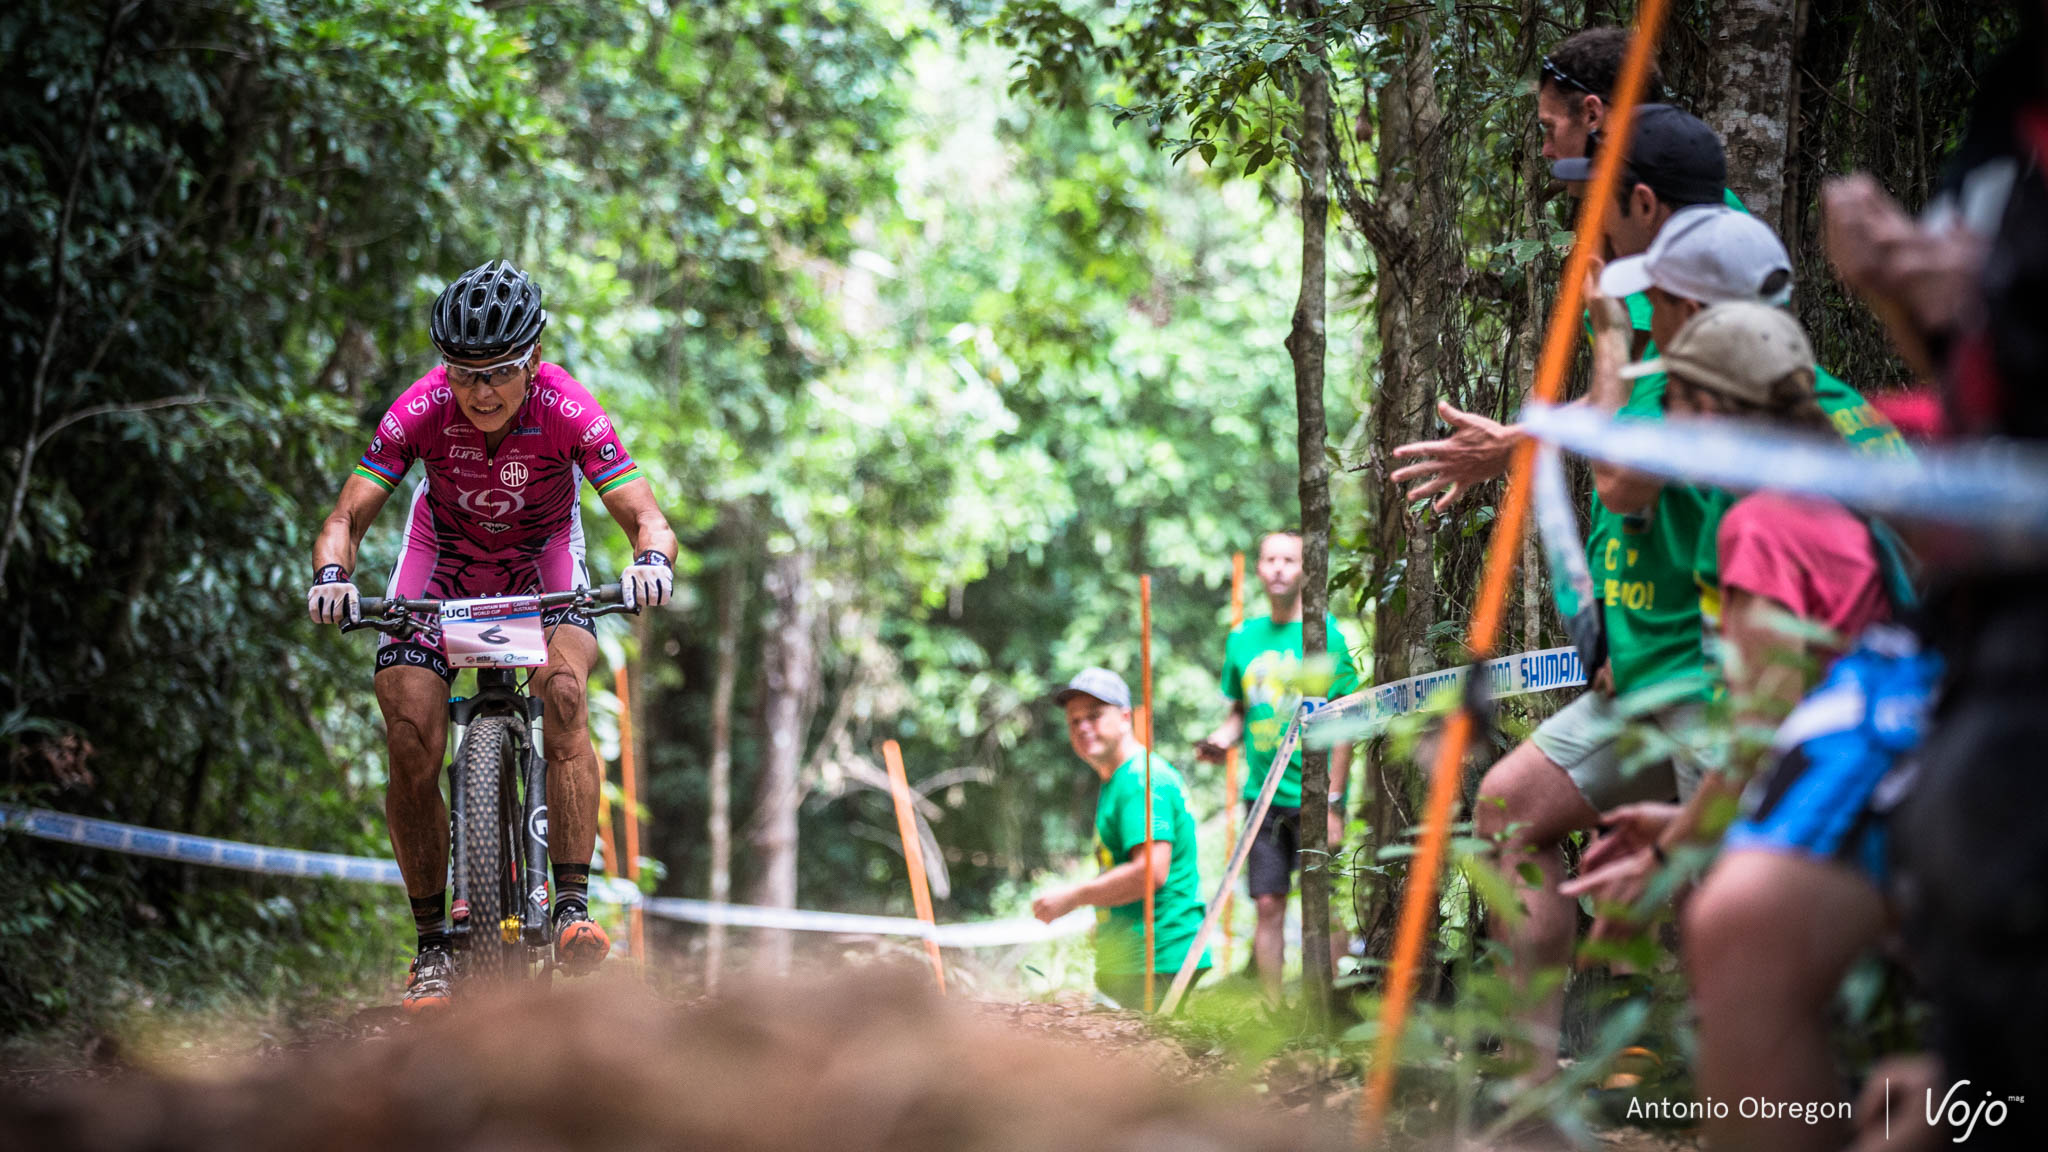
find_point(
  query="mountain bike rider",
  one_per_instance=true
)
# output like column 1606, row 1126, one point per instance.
column 504, row 438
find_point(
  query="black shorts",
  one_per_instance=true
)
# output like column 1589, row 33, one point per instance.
column 425, row 649
column 1275, row 850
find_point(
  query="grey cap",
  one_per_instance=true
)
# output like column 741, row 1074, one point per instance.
column 1100, row 683
column 1710, row 253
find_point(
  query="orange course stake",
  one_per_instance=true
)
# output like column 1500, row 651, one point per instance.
column 1232, row 757
column 913, row 852
column 636, row 938
column 604, row 818
column 1502, row 549
column 1145, row 679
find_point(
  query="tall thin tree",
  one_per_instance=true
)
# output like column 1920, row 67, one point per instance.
column 1307, row 342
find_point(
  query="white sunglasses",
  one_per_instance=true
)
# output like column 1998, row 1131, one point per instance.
column 487, row 372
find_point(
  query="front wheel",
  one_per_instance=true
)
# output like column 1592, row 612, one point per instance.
column 486, row 767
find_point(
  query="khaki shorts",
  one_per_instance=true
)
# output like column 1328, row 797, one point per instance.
column 1586, row 739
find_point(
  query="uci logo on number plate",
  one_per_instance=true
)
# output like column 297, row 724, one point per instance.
column 497, row 632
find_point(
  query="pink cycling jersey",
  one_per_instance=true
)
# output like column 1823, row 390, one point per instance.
column 495, row 523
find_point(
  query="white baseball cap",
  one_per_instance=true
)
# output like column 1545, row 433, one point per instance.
column 1710, row 253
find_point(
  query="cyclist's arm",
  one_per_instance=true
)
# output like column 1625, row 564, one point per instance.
column 343, row 530
column 632, row 505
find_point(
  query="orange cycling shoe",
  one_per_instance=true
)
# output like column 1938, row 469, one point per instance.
column 580, row 943
column 427, row 988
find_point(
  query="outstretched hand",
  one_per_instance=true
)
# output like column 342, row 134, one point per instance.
column 1620, row 866
column 1477, row 451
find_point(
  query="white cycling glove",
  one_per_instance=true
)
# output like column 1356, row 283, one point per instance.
column 647, row 580
column 333, row 599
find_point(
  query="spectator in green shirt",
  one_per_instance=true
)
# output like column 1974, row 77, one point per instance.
column 1098, row 709
column 1261, row 679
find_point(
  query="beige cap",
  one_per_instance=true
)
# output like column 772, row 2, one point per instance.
column 1740, row 351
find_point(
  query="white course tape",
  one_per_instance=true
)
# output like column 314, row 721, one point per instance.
column 1515, row 675
column 131, row 840
column 1998, row 487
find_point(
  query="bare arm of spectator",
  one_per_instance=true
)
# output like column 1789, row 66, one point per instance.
column 1622, row 490
column 1123, row 884
column 1922, row 283
column 1214, row 747
column 1767, row 675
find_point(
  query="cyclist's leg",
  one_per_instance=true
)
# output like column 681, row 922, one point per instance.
column 573, row 792
column 414, row 699
column 412, row 690
column 565, row 741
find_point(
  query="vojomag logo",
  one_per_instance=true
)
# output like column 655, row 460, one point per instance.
column 1964, row 1114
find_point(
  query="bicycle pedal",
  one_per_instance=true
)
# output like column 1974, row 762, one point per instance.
column 508, row 929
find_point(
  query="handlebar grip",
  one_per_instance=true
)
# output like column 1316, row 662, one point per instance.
column 371, row 606
column 609, row 594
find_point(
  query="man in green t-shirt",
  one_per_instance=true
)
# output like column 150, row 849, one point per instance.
column 1098, row 709
column 1262, row 666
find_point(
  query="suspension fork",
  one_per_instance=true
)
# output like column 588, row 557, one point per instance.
column 534, row 915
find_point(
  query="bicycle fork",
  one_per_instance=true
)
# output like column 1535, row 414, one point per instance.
column 533, row 925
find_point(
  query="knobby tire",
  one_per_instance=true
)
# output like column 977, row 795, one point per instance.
column 485, row 770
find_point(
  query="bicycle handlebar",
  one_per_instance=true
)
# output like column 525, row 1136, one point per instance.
column 394, row 616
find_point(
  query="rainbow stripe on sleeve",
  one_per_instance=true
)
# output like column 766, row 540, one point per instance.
column 623, row 472
column 370, row 470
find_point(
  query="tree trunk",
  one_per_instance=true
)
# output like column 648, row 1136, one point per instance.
column 724, row 681
column 1411, row 225
column 1751, row 100
column 789, row 670
column 1306, row 344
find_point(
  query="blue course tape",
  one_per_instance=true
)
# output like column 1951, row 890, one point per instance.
column 126, row 838
column 1516, row 675
column 65, row 828
column 1998, row 487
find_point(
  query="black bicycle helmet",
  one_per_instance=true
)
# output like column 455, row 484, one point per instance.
column 488, row 311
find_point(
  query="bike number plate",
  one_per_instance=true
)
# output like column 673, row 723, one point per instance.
column 501, row 632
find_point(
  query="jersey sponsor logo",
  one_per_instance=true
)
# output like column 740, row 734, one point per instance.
column 607, row 452
column 512, row 475
column 460, row 452
column 417, row 406
column 549, row 396
column 492, row 504
column 494, row 526
column 531, row 430
column 571, row 409
column 393, row 428
column 376, row 445
column 441, row 395
column 598, row 428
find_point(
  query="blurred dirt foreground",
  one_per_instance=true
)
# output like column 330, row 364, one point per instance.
column 871, row 1063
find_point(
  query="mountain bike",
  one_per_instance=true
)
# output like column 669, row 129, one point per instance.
column 497, row 780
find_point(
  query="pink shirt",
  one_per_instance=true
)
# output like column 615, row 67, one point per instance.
column 1812, row 556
